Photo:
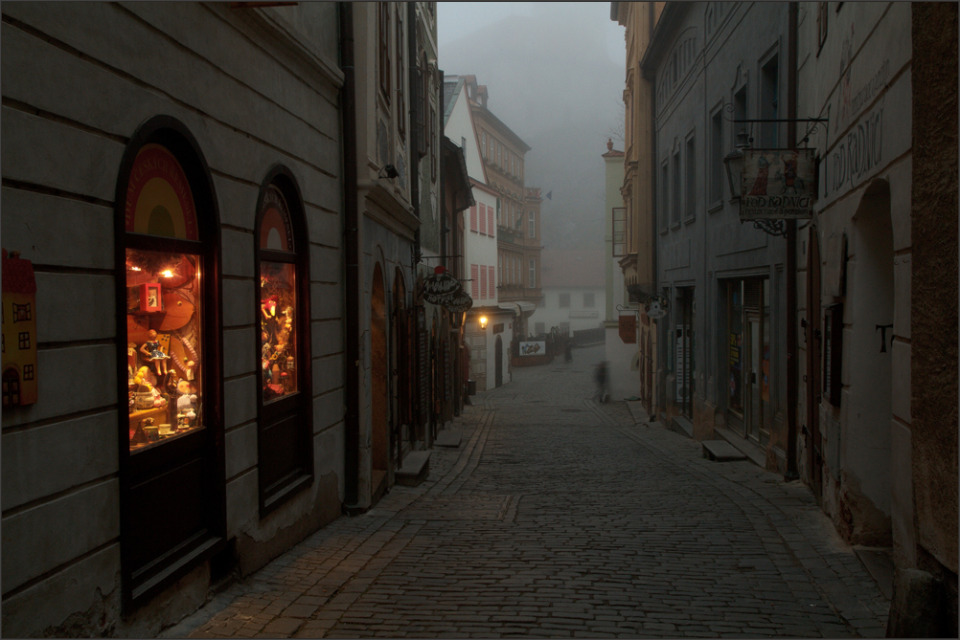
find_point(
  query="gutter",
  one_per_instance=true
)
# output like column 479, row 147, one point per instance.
column 351, row 250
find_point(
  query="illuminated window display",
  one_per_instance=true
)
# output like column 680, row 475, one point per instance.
column 278, row 333
column 278, row 299
column 164, row 367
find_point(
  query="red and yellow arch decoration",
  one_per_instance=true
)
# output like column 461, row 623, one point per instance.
column 159, row 200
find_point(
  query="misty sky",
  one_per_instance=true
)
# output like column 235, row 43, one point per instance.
column 554, row 72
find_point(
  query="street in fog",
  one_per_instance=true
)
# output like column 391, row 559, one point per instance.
column 559, row 517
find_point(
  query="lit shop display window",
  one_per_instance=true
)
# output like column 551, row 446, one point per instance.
column 278, row 334
column 164, row 367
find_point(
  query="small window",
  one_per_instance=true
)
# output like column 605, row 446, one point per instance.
column 690, row 210
column 676, row 193
column 278, row 300
column 619, row 232
column 28, row 372
column 533, row 273
column 23, row 340
column 564, row 300
column 532, row 224
column 717, row 154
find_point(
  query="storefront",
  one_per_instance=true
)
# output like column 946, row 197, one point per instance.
column 749, row 406
column 169, row 360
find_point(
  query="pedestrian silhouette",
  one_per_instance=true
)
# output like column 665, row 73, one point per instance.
column 600, row 375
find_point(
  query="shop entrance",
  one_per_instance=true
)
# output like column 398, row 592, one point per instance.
column 684, row 355
column 379, row 357
column 749, row 374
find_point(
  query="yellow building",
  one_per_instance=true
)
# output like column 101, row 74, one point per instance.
column 19, row 331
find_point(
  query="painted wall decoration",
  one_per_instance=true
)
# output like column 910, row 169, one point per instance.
column 159, row 200
column 20, row 382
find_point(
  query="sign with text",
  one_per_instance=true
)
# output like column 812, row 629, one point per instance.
column 533, row 348
column 778, row 184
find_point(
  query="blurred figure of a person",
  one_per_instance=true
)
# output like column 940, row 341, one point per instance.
column 600, row 376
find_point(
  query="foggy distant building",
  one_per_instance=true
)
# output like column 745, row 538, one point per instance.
column 574, row 297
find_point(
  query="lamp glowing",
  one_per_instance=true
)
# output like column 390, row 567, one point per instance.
column 483, row 322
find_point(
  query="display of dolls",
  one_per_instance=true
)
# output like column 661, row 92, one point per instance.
column 186, row 405
column 151, row 351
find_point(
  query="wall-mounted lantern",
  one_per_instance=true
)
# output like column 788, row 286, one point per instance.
column 483, row 322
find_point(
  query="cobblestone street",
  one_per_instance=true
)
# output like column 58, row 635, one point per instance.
column 558, row 517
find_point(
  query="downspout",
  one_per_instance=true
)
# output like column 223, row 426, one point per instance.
column 351, row 249
column 660, row 396
column 416, row 108
column 791, row 472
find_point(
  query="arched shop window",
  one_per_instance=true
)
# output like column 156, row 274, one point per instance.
column 171, row 454
column 285, row 433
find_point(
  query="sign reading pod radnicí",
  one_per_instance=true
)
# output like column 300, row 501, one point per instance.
column 778, row 184
column 440, row 287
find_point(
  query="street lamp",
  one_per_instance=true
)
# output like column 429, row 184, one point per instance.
column 483, row 322
column 733, row 162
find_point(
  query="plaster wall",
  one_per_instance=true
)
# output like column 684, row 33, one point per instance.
column 78, row 81
column 860, row 80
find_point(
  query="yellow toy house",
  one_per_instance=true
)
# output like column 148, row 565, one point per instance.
column 19, row 331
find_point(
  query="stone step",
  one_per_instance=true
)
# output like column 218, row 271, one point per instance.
column 448, row 438
column 721, row 451
column 415, row 469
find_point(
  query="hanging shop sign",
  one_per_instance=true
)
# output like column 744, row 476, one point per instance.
column 778, row 184
column 628, row 329
column 441, row 287
column 459, row 302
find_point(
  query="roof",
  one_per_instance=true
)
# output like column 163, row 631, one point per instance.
column 573, row 268
column 451, row 88
column 17, row 274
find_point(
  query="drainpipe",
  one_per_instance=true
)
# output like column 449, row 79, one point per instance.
column 791, row 472
column 660, row 398
column 416, row 107
column 351, row 249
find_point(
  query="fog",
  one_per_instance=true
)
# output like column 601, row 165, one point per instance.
column 555, row 76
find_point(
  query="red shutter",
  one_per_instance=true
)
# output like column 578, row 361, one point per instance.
column 483, row 282
column 473, row 218
column 474, row 282
column 483, row 219
column 490, row 224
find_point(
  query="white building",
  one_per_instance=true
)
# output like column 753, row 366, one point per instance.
column 574, row 297
column 489, row 329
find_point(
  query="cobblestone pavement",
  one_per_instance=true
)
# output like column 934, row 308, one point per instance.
column 559, row 517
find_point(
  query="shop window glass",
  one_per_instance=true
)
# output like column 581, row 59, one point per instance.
column 278, row 300
column 164, row 368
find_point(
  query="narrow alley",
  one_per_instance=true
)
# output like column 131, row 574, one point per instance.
column 559, row 517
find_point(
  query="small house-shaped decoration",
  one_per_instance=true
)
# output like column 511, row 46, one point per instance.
column 19, row 331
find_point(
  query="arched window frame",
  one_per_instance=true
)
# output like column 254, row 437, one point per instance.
column 285, row 422
column 154, row 555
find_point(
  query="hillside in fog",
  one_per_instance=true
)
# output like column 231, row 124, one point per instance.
column 552, row 82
